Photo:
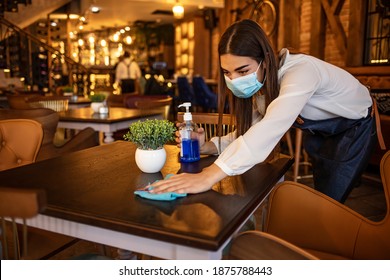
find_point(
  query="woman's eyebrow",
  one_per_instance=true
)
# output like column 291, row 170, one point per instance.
column 237, row 69
column 241, row 67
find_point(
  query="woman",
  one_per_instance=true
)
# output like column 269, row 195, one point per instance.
column 326, row 102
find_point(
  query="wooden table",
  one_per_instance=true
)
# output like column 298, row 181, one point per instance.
column 80, row 102
column 116, row 119
column 90, row 196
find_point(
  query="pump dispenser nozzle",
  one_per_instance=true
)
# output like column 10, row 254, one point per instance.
column 187, row 114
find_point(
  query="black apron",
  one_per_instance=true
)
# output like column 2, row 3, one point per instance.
column 339, row 149
column 128, row 85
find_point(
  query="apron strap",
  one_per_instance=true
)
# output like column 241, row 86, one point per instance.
column 375, row 113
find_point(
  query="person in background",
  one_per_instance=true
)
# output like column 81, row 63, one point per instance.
column 128, row 74
column 334, row 110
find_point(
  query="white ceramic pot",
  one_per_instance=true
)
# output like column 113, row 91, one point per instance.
column 150, row 161
column 95, row 106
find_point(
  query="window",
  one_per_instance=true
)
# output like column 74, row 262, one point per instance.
column 377, row 49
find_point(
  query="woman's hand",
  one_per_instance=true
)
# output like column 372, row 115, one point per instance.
column 199, row 134
column 190, row 183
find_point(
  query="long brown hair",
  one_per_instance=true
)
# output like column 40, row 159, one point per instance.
column 246, row 38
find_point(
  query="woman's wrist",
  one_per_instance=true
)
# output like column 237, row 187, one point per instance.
column 213, row 174
column 208, row 148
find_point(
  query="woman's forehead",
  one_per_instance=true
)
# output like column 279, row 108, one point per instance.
column 231, row 62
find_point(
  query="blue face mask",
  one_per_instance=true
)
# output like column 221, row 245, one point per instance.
column 245, row 86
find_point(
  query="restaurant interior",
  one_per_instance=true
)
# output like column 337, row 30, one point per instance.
column 58, row 56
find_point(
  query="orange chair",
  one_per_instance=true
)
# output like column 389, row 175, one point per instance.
column 324, row 227
column 20, row 141
column 258, row 245
column 18, row 204
column 86, row 138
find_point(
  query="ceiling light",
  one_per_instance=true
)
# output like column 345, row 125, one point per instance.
column 178, row 10
column 95, row 9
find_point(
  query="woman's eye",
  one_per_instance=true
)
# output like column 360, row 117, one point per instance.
column 243, row 72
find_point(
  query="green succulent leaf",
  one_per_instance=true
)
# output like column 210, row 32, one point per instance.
column 150, row 134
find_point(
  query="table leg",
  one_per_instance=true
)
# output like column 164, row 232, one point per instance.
column 108, row 137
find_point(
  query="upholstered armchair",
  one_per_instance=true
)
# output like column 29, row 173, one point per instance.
column 321, row 226
column 86, row 138
column 20, row 141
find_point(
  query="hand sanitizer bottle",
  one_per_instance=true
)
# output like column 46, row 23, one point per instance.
column 189, row 145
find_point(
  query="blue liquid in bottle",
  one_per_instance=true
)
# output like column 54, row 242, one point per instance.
column 189, row 150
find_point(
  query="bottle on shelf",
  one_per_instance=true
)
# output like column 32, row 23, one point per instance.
column 189, row 143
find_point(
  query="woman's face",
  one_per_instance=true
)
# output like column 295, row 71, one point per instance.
column 234, row 66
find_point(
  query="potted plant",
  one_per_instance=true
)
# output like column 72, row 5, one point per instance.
column 97, row 101
column 67, row 90
column 150, row 136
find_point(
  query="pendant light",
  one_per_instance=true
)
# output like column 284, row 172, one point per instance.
column 178, row 10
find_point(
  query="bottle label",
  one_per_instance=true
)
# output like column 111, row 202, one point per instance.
column 189, row 150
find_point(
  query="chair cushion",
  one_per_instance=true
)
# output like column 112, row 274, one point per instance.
column 20, row 141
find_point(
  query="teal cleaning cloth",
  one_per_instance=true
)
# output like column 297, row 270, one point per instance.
column 160, row 196
column 168, row 196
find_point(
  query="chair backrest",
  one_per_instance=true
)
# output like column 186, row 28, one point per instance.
column 29, row 101
column 373, row 240
column 21, row 140
column 205, row 98
column 164, row 103
column 257, row 245
column 17, row 204
column 326, row 228
column 47, row 117
column 209, row 122
column 18, row 101
column 56, row 103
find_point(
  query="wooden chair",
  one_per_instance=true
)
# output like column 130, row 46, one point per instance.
column 18, row 101
column 56, row 103
column 18, row 204
column 164, row 103
column 30, row 101
column 324, row 227
column 209, row 122
column 21, row 140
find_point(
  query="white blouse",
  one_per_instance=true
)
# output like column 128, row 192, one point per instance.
column 309, row 87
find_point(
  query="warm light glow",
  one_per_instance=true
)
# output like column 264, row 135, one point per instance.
column 95, row 9
column 379, row 60
column 178, row 11
column 103, row 43
column 128, row 40
column 115, row 37
column 81, row 42
column 127, row 28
